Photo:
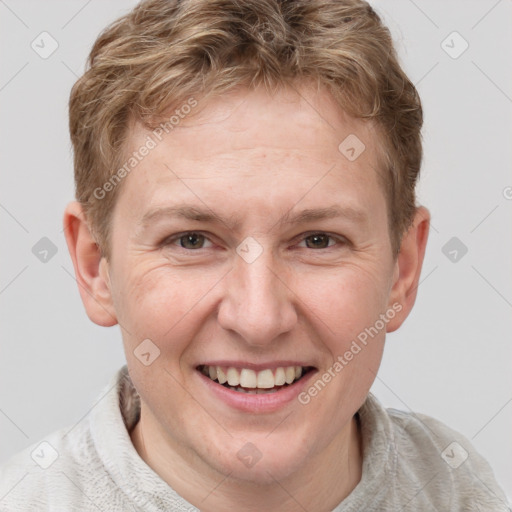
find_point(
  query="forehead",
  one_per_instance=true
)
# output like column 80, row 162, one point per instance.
column 260, row 146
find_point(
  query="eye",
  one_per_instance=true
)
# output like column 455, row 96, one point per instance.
column 191, row 241
column 319, row 241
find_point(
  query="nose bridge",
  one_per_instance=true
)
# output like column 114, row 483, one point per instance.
column 260, row 284
column 257, row 304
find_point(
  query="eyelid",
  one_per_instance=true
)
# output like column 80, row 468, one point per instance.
column 338, row 238
column 173, row 239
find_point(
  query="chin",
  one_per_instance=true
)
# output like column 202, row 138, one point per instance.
column 260, row 462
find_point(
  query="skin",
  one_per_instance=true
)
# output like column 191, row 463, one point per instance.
column 251, row 158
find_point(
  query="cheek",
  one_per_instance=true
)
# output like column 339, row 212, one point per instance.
column 346, row 300
column 351, row 314
column 150, row 301
column 162, row 305
column 347, row 310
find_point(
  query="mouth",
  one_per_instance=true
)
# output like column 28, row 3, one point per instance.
column 250, row 381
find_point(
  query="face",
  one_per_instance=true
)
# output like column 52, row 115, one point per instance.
column 245, row 244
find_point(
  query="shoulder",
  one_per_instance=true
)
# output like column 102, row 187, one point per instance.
column 445, row 463
column 65, row 471
column 47, row 474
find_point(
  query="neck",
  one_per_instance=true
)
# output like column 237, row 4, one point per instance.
column 320, row 484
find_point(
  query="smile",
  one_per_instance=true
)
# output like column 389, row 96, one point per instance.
column 247, row 380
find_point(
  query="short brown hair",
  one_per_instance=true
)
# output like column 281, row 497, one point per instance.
column 166, row 51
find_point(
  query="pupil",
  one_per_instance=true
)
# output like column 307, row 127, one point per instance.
column 191, row 241
column 317, row 241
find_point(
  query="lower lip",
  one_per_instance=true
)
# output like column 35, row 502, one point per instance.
column 257, row 403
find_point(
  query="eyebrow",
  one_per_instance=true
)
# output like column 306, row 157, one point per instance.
column 185, row 212
column 330, row 212
column 208, row 216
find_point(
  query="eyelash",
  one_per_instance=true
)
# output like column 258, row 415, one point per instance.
column 336, row 239
column 174, row 240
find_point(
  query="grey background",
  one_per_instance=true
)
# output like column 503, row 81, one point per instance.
column 451, row 359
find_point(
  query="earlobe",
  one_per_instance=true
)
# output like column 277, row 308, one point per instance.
column 408, row 267
column 90, row 267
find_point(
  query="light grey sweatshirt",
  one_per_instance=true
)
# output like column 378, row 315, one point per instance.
column 411, row 462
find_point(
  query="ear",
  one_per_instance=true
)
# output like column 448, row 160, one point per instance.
column 91, row 268
column 408, row 268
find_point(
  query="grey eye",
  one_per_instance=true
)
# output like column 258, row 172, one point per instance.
column 192, row 241
column 317, row 241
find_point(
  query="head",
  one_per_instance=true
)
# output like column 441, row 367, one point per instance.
column 245, row 176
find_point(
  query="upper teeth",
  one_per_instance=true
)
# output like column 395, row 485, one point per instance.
column 247, row 378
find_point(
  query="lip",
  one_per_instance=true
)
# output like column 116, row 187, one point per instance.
column 254, row 403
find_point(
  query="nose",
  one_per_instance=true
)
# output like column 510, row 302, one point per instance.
column 257, row 305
